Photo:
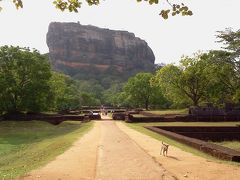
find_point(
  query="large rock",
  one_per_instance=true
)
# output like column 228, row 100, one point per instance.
column 76, row 49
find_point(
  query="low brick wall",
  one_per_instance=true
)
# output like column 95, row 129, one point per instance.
column 212, row 133
column 118, row 116
column 51, row 118
column 183, row 118
column 210, row 148
column 145, row 113
column 232, row 117
column 89, row 111
column 118, row 111
column 131, row 118
column 94, row 117
column 174, row 118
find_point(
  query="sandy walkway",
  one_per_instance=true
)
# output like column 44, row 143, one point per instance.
column 182, row 164
column 104, row 153
column 112, row 151
column 78, row 162
column 120, row 158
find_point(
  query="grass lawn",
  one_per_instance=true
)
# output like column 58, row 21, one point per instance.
column 138, row 115
column 140, row 127
column 230, row 144
column 27, row 145
column 169, row 111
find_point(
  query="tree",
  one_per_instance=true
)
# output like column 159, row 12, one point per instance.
column 224, row 76
column 232, row 41
column 189, row 80
column 111, row 95
column 66, row 94
column 211, row 77
column 24, row 80
column 225, row 66
column 92, row 87
column 167, row 78
column 122, row 99
column 74, row 5
column 139, row 90
column 157, row 99
column 70, row 100
column 88, row 99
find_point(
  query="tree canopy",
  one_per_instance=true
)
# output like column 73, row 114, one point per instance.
column 28, row 84
column 140, row 92
column 75, row 5
column 187, row 81
column 207, row 77
column 66, row 95
column 24, row 77
column 231, row 39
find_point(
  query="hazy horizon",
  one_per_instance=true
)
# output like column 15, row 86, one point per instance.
column 169, row 39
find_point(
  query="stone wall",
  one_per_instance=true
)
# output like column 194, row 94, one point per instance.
column 184, row 118
column 51, row 118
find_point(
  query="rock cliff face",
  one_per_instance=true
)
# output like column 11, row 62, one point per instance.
column 76, row 49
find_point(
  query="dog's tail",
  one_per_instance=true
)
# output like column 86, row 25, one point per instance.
column 164, row 144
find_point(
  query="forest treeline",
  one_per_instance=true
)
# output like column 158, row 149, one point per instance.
column 28, row 84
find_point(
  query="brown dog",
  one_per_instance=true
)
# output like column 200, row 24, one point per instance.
column 164, row 149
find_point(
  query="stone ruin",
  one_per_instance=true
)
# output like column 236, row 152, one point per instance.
column 231, row 112
column 208, row 110
column 208, row 113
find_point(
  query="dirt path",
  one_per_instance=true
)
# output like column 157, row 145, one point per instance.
column 78, row 162
column 112, row 151
column 105, row 117
column 120, row 158
column 104, row 153
column 182, row 164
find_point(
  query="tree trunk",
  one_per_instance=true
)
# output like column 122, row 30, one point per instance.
column 195, row 101
column 146, row 104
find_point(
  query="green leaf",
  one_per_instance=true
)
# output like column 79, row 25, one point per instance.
column 190, row 13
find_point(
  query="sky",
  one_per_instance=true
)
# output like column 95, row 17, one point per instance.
column 169, row 39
